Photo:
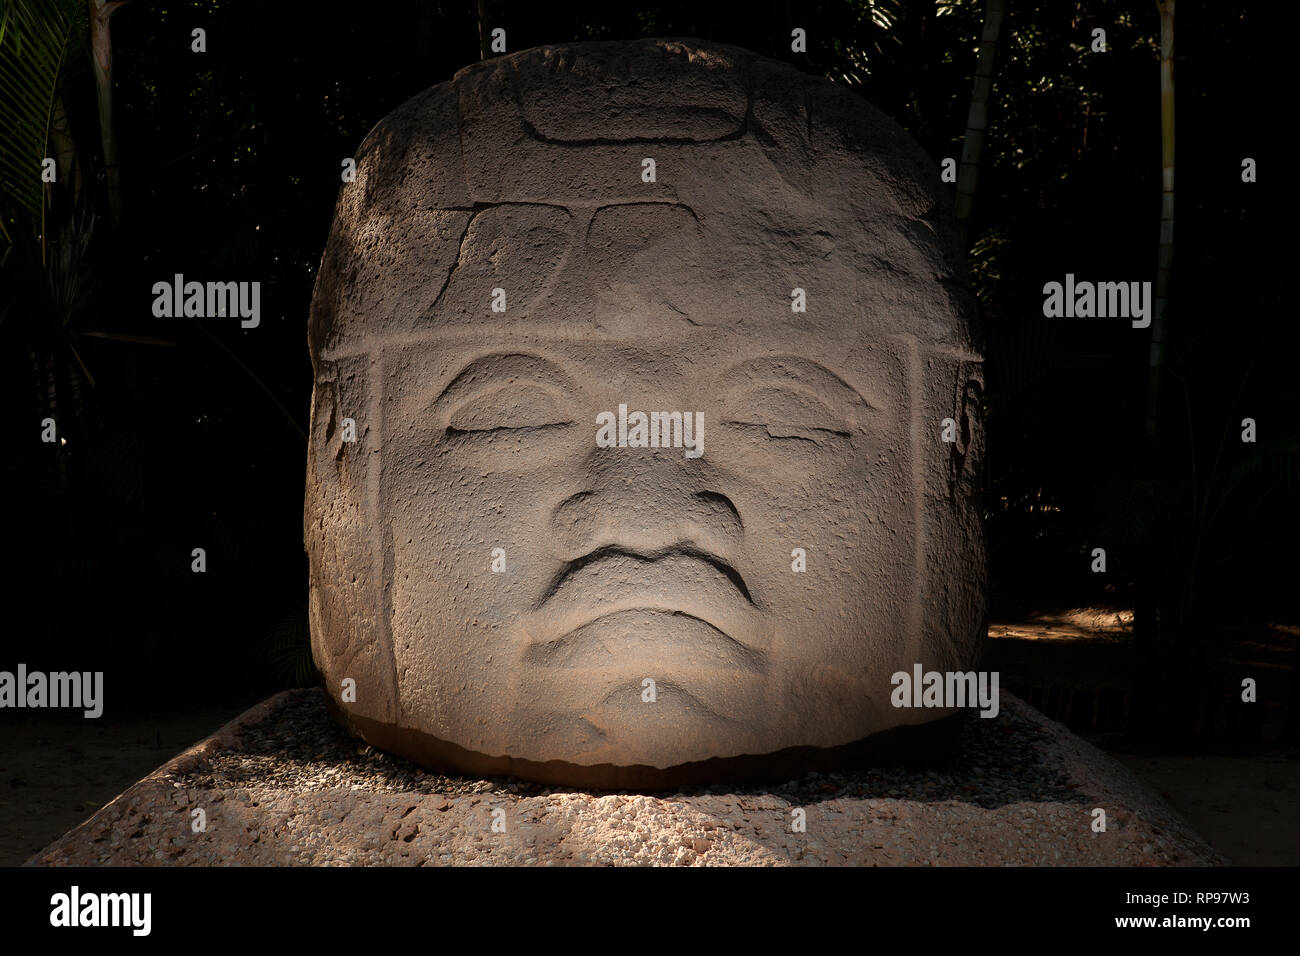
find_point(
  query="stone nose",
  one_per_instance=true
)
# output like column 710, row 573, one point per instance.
column 649, row 500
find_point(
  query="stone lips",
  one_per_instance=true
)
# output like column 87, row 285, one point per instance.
column 523, row 172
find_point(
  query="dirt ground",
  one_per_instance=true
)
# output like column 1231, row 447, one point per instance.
column 1248, row 808
column 55, row 771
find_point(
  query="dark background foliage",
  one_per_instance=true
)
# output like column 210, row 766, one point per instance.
column 191, row 434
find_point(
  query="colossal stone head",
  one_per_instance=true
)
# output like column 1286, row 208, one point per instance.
column 523, row 558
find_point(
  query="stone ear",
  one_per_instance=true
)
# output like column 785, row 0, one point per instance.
column 967, row 451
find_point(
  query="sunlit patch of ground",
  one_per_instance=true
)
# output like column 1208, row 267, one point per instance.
column 1075, row 624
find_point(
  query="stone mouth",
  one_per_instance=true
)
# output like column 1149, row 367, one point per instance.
column 681, row 580
column 676, row 557
column 662, row 638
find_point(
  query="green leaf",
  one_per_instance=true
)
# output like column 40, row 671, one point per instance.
column 288, row 648
column 37, row 38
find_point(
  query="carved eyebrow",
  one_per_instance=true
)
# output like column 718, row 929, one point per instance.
column 499, row 369
column 801, row 374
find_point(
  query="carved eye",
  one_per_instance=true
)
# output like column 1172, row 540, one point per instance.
column 509, row 409
column 783, row 414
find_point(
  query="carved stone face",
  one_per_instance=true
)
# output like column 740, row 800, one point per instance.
column 520, row 564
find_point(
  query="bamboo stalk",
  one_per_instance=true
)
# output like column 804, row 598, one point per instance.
column 977, row 120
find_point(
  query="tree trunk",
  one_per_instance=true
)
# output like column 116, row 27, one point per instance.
column 1159, row 696
column 65, row 150
column 424, row 22
column 976, row 123
column 483, row 46
column 1165, row 259
column 101, row 47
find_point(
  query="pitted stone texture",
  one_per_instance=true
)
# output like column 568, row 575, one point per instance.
column 522, row 179
column 787, row 177
column 281, row 786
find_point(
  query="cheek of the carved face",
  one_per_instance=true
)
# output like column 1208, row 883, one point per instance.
column 473, row 552
column 839, row 501
column 458, row 570
column 851, row 523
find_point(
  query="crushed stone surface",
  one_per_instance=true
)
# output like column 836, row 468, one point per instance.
column 283, row 784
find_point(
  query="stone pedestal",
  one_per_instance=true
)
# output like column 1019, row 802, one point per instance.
column 283, row 785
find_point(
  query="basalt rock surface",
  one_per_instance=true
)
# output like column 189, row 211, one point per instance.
column 645, row 430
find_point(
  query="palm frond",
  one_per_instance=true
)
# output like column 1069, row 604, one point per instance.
column 288, row 649
column 1277, row 460
column 1129, row 512
column 37, row 37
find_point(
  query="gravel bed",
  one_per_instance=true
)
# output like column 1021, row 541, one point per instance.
column 284, row 785
column 299, row 747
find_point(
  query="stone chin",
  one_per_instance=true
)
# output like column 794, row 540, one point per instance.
column 907, row 743
column 570, row 715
